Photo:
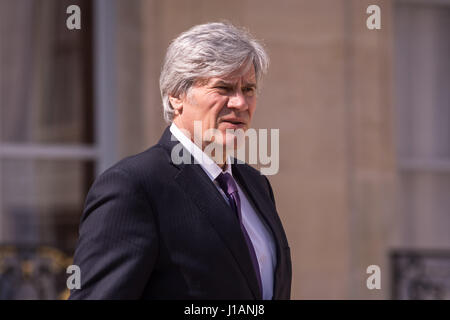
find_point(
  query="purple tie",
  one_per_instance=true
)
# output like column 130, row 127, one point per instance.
column 227, row 184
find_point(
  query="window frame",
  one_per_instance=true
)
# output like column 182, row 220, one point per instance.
column 103, row 151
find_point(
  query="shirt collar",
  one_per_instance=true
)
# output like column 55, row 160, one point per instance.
column 208, row 165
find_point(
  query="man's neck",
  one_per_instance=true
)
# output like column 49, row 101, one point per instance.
column 204, row 144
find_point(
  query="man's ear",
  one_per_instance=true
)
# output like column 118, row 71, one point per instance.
column 177, row 104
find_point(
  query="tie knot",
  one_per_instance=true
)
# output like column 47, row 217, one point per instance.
column 226, row 183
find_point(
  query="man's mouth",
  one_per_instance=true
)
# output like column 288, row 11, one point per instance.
column 236, row 122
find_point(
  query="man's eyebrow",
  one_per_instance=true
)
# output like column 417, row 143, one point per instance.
column 232, row 84
column 222, row 83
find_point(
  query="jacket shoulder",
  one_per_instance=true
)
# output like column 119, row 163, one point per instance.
column 152, row 160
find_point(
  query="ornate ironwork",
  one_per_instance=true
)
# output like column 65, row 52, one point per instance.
column 420, row 274
column 33, row 272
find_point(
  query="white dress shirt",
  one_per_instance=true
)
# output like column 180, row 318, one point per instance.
column 257, row 230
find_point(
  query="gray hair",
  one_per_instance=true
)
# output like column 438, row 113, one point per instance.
column 205, row 51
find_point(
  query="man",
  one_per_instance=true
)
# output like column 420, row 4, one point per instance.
column 155, row 228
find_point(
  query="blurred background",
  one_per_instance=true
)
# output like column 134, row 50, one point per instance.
column 364, row 119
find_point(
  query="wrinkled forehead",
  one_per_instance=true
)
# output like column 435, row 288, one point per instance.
column 246, row 73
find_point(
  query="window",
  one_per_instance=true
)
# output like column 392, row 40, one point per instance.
column 48, row 152
column 422, row 51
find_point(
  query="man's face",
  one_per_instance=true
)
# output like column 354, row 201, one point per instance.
column 220, row 103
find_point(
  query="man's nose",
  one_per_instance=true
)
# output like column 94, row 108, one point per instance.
column 238, row 101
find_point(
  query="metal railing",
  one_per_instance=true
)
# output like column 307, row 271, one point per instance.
column 420, row 274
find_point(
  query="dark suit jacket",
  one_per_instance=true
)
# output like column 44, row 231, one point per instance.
column 155, row 230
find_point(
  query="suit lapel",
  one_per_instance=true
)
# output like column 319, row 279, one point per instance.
column 205, row 195
column 197, row 185
column 264, row 208
column 257, row 196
